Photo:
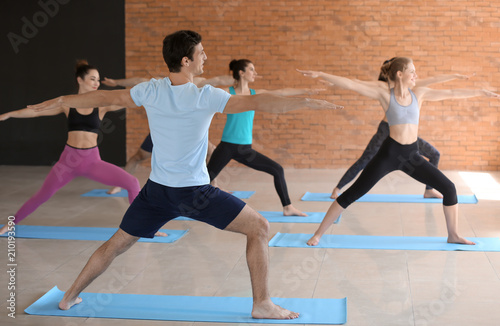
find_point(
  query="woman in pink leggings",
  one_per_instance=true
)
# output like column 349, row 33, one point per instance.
column 81, row 155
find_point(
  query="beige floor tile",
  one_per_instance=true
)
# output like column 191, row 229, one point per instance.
column 383, row 287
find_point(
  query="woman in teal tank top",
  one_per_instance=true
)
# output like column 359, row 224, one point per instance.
column 236, row 142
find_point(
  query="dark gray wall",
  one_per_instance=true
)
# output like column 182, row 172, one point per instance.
column 40, row 42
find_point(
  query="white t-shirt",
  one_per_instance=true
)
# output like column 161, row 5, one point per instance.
column 179, row 118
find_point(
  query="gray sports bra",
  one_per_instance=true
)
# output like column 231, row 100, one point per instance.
column 398, row 114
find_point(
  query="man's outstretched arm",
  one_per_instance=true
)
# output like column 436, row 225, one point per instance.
column 94, row 99
column 274, row 104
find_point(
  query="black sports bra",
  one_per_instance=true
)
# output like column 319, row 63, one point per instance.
column 84, row 122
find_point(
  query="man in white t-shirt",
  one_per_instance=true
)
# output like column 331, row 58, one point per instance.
column 179, row 115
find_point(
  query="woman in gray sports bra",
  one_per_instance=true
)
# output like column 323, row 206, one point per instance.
column 425, row 148
column 399, row 151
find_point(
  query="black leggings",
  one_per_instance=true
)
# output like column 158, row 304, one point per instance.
column 394, row 156
column 426, row 149
column 244, row 154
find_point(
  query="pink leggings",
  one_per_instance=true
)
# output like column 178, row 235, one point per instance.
column 74, row 163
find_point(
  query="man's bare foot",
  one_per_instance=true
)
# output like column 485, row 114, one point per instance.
column 335, row 193
column 268, row 310
column 65, row 305
column 114, row 190
column 289, row 210
column 314, row 240
column 432, row 193
column 4, row 229
column 161, row 234
column 459, row 240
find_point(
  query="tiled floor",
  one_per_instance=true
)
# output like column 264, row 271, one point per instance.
column 382, row 287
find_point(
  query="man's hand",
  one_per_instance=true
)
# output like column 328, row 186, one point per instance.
column 109, row 82
column 321, row 104
column 310, row 73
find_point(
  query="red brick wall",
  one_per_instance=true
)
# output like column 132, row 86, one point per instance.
column 350, row 38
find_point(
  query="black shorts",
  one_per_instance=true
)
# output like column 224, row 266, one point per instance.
column 147, row 144
column 157, row 204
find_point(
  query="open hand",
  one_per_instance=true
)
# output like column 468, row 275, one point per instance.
column 459, row 76
column 490, row 94
column 315, row 91
column 321, row 104
column 109, row 82
column 309, row 73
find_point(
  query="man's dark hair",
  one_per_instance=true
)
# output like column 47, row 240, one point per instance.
column 177, row 46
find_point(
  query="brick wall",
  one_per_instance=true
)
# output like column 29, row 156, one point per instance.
column 350, row 38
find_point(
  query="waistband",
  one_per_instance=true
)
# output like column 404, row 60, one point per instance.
column 81, row 148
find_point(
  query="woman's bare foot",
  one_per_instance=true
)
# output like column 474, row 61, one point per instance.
column 289, row 210
column 114, row 190
column 459, row 240
column 65, row 305
column 161, row 234
column 335, row 193
column 268, row 310
column 432, row 193
column 314, row 240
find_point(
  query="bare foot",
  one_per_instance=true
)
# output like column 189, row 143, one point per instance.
column 268, row 310
column 335, row 193
column 432, row 193
column 4, row 229
column 314, row 240
column 161, row 234
column 289, row 210
column 459, row 240
column 114, row 190
column 65, row 305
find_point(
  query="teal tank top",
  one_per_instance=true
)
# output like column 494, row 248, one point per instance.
column 239, row 126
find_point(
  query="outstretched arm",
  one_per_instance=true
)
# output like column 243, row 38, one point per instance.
column 125, row 82
column 119, row 98
column 429, row 94
column 198, row 81
column 30, row 113
column 223, row 80
column 274, row 104
column 367, row 89
column 290, row 91
column 439, row 79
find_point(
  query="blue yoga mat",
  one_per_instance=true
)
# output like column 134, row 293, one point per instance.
column 102, row 193
column 124, row 193
column 187, row 308
column 299, row 240
column 390, row 198
column 242, row 194
column 84, row 233
column 278, row 217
